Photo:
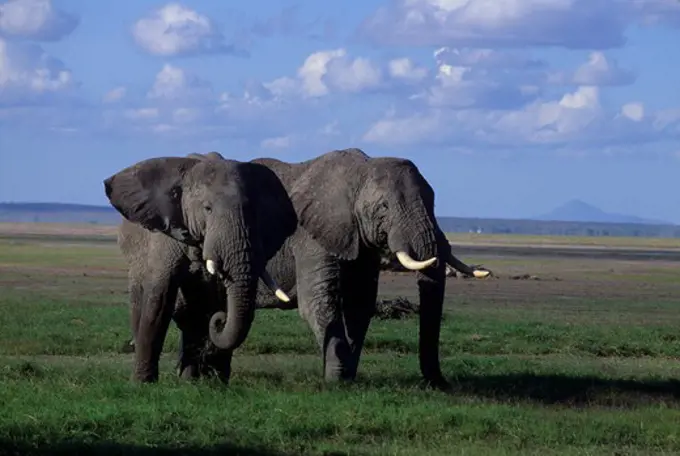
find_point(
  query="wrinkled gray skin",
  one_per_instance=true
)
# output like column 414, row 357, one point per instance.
column 179, row 213
column 351, row 210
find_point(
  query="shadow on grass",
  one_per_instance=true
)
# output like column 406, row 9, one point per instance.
column 553, row 389
column 14, row 447
column 568, row 390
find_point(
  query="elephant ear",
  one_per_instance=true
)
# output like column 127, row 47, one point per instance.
column 149, row 193
column 275, row 213
column 324, row 204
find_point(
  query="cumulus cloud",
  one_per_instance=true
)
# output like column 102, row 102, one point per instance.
column 174, row 30
column 36, row 20
column 28, row 74
column 478, row 78
column 576, row 118
column 489, row 23
column 335, row 71
column 597, row 71
column 404, row 69
column 175, row 84
column 313, row 70
column 634, row 111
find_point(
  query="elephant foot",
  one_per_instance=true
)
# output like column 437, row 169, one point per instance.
column 128, row 346
column 338, row 363
column 188, row 372
column 438, row 383
column 143, row 377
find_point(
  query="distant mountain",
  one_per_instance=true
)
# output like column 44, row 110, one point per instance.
column 58, row 213
column 579, row 211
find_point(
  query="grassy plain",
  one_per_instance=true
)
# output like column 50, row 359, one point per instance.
column 582, row 358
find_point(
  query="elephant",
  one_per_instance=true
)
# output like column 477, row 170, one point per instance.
column 352, row 210
column 199, row 227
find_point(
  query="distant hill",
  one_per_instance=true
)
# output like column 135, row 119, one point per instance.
column 58, row 213
column 579, row 211
column 595, row 224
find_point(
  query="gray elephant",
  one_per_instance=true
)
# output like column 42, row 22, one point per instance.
column 352, row 210
column 199, row 227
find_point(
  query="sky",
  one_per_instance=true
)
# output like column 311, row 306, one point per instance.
column 509, row 108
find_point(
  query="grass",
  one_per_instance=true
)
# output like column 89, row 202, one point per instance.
column 587, row 364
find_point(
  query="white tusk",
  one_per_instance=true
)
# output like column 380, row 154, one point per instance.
column 274, row 287
column 414, row 265
column 281, row 295
column 465, row 269
column 211, row 267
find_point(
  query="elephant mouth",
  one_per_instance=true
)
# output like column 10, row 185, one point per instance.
column 212, row 268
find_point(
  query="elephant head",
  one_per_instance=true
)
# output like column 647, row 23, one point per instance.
column 347, row 199
column 224, row 207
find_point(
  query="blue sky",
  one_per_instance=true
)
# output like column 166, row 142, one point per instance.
column 508, row 107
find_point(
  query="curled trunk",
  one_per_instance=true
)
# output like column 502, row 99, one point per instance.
column 230, row 255
column 228, row 331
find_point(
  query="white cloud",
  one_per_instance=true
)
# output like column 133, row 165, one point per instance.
column 576, row 118
column 487, row 59
column 597, row 71
column 634, row 111
column 404, row 68
column 174, row 30
column 28, row 73
column 334, row 71
column 35, row 20
column 114, row 95
column 353, row 75
column 313, row 70
column 174, row 84
column 490, row 23
column 481, row 78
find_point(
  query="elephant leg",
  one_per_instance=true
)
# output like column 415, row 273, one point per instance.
column 159, row 300
column 360, row 291
column 136, row 291
column 191, row 338
column 198, row 356
column 319, row 302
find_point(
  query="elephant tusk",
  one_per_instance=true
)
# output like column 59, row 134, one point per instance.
column 211, row 267
column 414, row 265
column 269, row 281
column 458, row 265
column 481, row 274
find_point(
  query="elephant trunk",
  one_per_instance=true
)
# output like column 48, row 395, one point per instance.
column 431, row 290
column 230, row 255
column 421, row 235
column 228, row 331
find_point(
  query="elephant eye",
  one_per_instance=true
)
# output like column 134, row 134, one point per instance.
column 208, row 208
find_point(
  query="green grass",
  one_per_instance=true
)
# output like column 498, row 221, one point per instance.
column 537, row 368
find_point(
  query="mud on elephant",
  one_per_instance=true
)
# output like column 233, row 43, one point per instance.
column 200, row 227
